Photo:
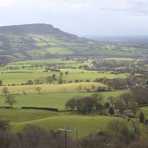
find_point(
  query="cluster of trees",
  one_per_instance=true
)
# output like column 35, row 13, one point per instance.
column 117, row 134
column 123, row 105
column 116, row 83
column 85, row 105
column 140, row 94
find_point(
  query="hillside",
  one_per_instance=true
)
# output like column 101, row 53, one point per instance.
column 38, row 41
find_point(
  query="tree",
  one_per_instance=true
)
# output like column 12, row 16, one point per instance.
column 126, row 102
column 38, row 89
column 29, row 82
column 10, row 100
column 141, row 117
column 140, row 94
column 85, row 105
column 111, row 111
column 71, row 104
column 121, row 130
column 49, row 79
column 120, row 105
column 60, row 81
column 1, row 82
column 4, row 125
column 54, row 76
column 66, row 73
column 5, row 91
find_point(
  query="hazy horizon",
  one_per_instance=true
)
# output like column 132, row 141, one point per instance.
column 94, row 18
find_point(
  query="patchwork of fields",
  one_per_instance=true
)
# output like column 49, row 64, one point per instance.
column 77, row 83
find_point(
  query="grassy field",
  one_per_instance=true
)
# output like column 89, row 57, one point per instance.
column 53, row 95
column 85, row 125
column 22, row 76
column 55, row 100
column 21, row 72
column 46, row 88
column 91, row 75
column 19, row 115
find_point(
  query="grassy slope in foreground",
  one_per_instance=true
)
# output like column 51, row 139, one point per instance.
column 53, row 121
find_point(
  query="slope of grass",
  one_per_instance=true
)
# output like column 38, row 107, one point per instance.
column 84, row 125
column 19, row 115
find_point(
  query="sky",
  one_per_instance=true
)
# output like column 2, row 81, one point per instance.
column 81, row 17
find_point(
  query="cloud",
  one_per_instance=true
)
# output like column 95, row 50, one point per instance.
column 79, row 16
column 7, row 3
column 106, row 6
column 130, row 7
column 139, row 6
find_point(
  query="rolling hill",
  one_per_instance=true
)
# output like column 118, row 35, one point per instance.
column 40, row 41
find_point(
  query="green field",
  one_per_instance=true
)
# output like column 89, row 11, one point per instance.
column 84, row 125
column 22, row 76
column 21, row 72
column 91, row 75
column 55, row 100
column 77, row 82
column 50, row 88
column 19, row 115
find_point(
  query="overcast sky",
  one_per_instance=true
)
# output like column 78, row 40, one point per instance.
column 82, row 17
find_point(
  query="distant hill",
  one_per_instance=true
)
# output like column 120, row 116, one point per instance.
column 37, row 41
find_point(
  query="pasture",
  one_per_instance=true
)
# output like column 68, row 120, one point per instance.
column 22, row 76
column 20, row 72
column 84, row 125
column 54, row 88
column 54, row 100
column 77, row 82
